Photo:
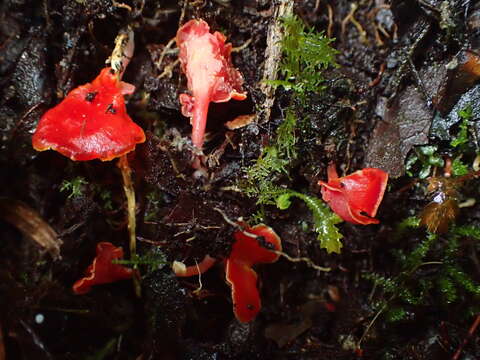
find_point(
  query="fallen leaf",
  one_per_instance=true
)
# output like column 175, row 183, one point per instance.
column 31, row 225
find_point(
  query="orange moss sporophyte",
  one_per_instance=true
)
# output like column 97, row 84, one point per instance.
column 355, row 197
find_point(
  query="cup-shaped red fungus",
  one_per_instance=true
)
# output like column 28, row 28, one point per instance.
column 253, row 245
column 356, row 197
column 206, row 61
column 91, row 122
column 102, row 270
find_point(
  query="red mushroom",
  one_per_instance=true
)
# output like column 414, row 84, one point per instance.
column 92, row 123
column 102, row 270
column 205, row 59
column 356, row 197
column 252, row 246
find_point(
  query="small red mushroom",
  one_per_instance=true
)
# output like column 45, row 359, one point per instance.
column 253, row 245
column 356, row 197
column 102, row 270
column 91, row 122
column 206, row 60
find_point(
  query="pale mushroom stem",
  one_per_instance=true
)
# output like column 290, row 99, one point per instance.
column 132, row 223
column 199, row 123
column 121, row 55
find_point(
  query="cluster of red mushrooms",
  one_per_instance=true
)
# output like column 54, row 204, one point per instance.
column 91, row 122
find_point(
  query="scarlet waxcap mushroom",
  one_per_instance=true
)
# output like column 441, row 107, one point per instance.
column 206, row 61
column 102, row 270
column 356, row 197
column 91, row 122
column 252, row 246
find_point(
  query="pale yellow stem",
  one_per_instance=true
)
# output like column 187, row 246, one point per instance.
column 130, row 195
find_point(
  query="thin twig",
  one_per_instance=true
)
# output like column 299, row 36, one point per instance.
column 472, row 329
column 306, row 260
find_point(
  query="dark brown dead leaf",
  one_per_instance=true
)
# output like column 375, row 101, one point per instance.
column 406, row 124
column 31, row 225
column 283, row 333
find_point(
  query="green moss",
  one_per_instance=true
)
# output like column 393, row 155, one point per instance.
column 154, row 259
column 306, row 53
column 324, row 220
column 459, row 168
column 153, row 205
column 272, row 164
column 74, row 187
column 445, row 284
column 462, row 137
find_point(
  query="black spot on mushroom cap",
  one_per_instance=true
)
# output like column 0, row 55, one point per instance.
column 111, row 109
column 262, row 241
column 91, row 96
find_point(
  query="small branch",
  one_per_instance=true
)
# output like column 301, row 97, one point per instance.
column 471, row 331
column 273, row 55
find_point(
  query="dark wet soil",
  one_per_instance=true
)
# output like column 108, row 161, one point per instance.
column 399, row 84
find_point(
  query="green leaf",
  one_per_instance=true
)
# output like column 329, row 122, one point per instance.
column 462, row 137
column 459, row 168
column 324, row 219
column 283, row 201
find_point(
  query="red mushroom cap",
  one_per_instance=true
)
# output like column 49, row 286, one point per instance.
column 356, row 197
column 102, row 270
column 205, row 59
column 91, row 122
column 252, row 246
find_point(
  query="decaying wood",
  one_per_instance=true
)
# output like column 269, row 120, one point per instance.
column 31, row 225
column 273, row 54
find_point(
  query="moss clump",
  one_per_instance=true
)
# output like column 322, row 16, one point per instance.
column 306, row 53
column 74, row 187
column 272, row 164
column 445, row 283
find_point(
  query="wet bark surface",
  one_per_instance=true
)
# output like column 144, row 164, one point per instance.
column 405, row 72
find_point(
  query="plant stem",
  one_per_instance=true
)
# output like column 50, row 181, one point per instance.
column 130, row 195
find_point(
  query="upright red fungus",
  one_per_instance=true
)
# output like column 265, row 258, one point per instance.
column 92, row 123
column 206, row 60
column 253, row 245
column 356, row 197
column 102, row 270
